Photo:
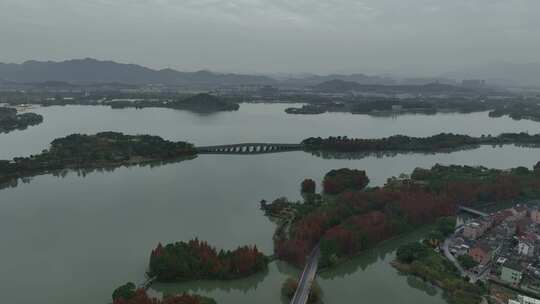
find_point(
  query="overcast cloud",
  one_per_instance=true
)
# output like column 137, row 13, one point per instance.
column 418, row 37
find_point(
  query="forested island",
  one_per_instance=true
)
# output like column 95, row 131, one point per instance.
column 390, row 106
column 10, row 120
column 402, row 143
column 316, row 108
column 106, row 149
column 347, row 220
column 129, row 294
column 514, row 108
column 200, row 103
column 196, row 260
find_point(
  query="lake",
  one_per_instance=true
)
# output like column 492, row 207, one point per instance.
column 74, row 238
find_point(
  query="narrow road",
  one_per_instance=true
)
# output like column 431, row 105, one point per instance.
column 306, row 279
column 472, row 276
column 451, row 257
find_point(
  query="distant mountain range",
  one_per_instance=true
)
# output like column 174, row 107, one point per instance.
column 92, row 71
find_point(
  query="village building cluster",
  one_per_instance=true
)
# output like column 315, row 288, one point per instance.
column 505, row 246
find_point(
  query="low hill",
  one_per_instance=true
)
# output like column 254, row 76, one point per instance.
column 341, row 86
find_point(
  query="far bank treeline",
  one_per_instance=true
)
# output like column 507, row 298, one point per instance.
column 106, row 149
column 402, row 143
column 349, row 217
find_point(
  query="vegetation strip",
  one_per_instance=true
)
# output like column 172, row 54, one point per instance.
column 435, row 143
column 106, row 149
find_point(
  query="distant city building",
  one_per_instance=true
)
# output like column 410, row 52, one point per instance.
column 473, row 83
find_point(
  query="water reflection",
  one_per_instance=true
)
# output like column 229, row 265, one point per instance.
column 385, row 154
column 260, row 288
column 71, row 240
column 84, row 172
column 370, row 276
column 382, row 253
column 244, row 285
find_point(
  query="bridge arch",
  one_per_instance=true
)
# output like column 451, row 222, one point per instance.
column 249, row 148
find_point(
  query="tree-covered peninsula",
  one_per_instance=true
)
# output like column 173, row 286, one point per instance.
column 106, row 149
column 354, row 218
column 10, row 120
column 402, row 143
column 196, row 260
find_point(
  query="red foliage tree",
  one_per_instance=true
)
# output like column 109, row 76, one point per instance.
column 308, row 186
column 337, row 181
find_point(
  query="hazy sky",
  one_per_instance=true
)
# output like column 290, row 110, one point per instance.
column 372, row 36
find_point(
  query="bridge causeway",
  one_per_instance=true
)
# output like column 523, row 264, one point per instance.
column 249, row 148
column 307, row 278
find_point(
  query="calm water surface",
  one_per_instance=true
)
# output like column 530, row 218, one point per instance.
column 252, row 123
column 73, row 239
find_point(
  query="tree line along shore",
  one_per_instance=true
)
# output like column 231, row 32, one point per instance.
column 113, row 149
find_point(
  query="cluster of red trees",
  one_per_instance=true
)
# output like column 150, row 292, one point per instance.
column 308, row 186
column 305, row 233
column 358, row 219
column 198, row 260
column 337, row 181
column 140, row 297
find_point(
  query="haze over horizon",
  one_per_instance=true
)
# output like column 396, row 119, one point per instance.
column 413, row 38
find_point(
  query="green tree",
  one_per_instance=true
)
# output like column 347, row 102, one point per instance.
column 411, row 252
column 446, row 225
column 126, row 292
column 466, row 261
column 308, row 186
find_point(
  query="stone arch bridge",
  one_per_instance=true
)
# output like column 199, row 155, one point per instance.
column 249, row 148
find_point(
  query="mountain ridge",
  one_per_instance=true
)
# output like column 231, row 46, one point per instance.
column 91, row 71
